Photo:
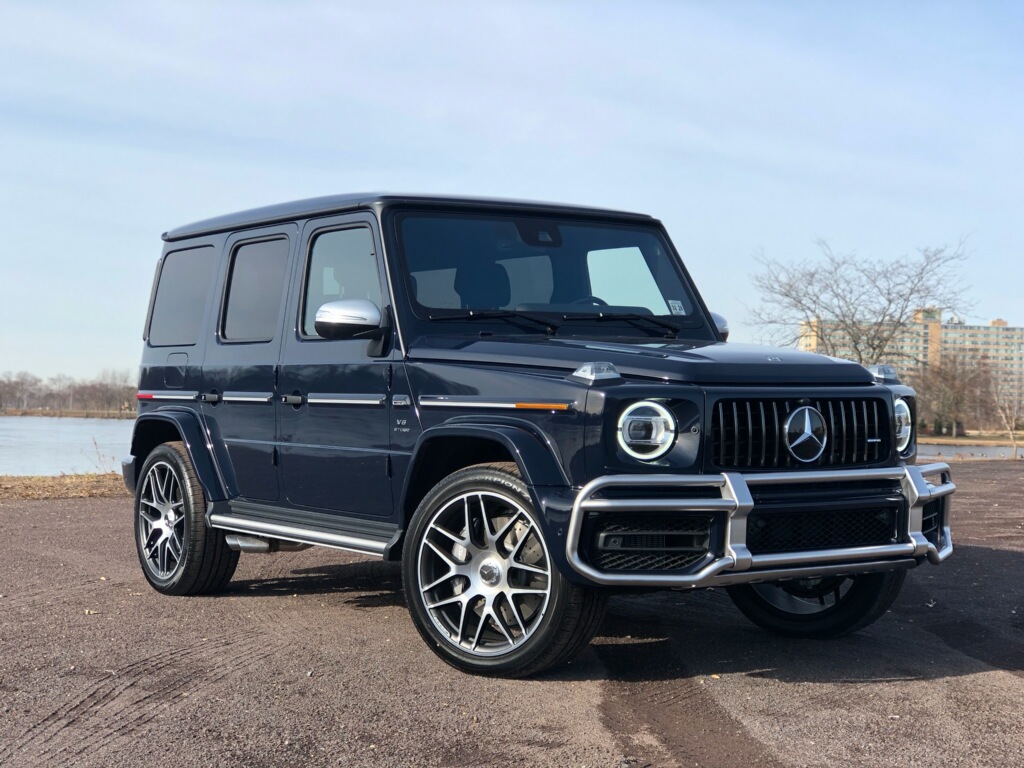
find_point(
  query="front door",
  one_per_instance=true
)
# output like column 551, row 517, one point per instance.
column 333, row 394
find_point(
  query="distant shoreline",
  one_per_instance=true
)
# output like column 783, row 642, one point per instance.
column 71, row 414
column 986, row 439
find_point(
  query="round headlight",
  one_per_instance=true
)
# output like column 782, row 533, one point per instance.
column 903, row 424
column 647, row 430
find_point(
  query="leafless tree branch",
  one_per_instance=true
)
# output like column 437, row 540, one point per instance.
column 860, row 307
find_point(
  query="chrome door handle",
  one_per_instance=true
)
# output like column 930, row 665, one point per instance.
column 293, row 399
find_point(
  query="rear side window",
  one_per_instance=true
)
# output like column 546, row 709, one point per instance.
column 185, row 279
column 255, row 288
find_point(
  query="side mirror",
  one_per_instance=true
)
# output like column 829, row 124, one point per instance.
column 347, row 318
column 721, row 324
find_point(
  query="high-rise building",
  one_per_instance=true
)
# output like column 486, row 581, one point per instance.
column 929, row 339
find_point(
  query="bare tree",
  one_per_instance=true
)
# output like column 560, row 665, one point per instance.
column 1006, row 403
column 7, row 388
column 856, row 307
column 110, row 392
column 26, row 386
column 61, row 387
column 947, row 392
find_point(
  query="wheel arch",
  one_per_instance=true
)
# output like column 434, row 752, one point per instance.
column 447, row 448
column 164, row 426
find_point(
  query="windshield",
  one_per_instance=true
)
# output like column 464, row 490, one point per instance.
column 562, row 268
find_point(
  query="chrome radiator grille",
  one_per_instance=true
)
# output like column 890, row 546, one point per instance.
column 749, row 434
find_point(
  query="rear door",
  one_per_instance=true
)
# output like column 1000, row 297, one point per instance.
column 239, row 371
column 334, row 428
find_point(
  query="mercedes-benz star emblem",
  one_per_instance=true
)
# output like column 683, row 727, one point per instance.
column 805, row 434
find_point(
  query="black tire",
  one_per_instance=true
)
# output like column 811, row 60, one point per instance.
column 179, row 554
column 546, row 631
column 802, row 608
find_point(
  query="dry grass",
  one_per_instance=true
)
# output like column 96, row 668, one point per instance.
column 108, row 484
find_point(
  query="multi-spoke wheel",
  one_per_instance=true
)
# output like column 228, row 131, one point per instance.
column 822, row 607
column 162, row 520
column 484, row 572
column 480, row 583
column 179, row 554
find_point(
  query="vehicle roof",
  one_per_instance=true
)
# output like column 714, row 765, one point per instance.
column 321, row 206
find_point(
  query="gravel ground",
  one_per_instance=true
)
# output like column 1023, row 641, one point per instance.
column 310, row 658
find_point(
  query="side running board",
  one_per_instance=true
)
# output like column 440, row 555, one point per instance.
column 351, row 543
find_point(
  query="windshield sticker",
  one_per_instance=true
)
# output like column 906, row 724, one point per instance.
column 676, row 307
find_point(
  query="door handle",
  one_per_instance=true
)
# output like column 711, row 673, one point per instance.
column 210, row 397
column 293, row 399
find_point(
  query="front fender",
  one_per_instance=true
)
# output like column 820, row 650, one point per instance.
column 532, row 450
column 462, row 442
column 546, row 480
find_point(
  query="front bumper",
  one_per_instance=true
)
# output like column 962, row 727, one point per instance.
column 919, row 487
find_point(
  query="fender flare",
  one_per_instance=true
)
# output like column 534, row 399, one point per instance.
column 197, row 443
column 533, row 451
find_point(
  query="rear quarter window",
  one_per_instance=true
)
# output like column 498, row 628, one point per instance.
column 181, row 292
column 255, row 290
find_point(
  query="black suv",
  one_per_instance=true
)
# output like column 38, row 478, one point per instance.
column 527, row 404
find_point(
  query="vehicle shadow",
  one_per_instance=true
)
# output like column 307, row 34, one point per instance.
column 368, row 583
column 948, row 621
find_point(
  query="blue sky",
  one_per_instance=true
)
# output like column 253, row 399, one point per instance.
column 745, row 127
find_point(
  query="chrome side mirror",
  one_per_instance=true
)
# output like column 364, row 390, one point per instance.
column 346, row 318
column 722, row 325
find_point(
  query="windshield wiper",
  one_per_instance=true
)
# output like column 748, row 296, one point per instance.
column 550, row 326
column 634, row 319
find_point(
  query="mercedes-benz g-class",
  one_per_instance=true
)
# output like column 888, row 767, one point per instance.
column 528, row 405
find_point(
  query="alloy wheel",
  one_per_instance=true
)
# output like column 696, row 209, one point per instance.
column 162, row 520
column 484, row 573
column 805, row 597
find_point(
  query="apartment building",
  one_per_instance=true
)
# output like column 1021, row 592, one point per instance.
column 930, row 339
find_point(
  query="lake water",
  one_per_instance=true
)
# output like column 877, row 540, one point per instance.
column 966, row 451
column 40, row 445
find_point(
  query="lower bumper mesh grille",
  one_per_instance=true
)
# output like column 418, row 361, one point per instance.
column 774, row 532
column 650, row 542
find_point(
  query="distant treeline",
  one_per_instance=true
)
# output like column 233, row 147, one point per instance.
column 110, row 394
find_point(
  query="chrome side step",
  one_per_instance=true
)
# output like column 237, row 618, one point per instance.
column 243, row 542
column 264, row 528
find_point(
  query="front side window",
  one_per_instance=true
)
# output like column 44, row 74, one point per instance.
column 498, row 262
column 181, row 292
column 255, row 288
column 342, row 265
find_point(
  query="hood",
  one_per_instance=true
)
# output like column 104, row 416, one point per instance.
column 689, row 362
